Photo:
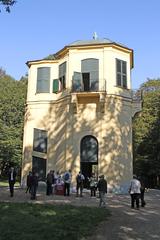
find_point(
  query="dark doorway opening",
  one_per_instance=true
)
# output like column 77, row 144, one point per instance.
column 89, row 157
column 86, row 81
column 87, row 169
column 39, row 166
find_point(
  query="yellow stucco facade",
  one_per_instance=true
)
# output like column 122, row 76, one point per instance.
column 68, row 116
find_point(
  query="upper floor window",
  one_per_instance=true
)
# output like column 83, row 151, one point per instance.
column 43, row 80
column 121, row 72
column 88, row 79
column 62, row 75
column 40, row 140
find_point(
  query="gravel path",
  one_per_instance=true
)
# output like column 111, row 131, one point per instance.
column 131, row 224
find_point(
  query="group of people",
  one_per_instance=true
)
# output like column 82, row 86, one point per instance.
column 136, row 189
column 94, row 185
column 54, row 179
column 32, row 182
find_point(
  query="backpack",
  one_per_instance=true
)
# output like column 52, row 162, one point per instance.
column 66, row 176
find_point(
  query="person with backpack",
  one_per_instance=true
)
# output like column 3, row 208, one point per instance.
column 79, row 179
column 67, row 182
column 93, row 185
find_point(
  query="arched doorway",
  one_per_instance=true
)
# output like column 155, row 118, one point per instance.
column 89, row 156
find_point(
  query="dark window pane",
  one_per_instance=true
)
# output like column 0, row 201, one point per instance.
column 62, row 74
column 124, row 70
column 89, row 149
column 118, row 79
column 91, row 66
column 124, row 81
column 64, row 82
column 94, row 83
column 121, row 68
column 118, row 65
column 39, row 166
column 77, row 82
column 62, row 69
column 40, row 140
column 43, row 80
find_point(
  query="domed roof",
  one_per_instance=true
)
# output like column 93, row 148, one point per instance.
column 90, row 42
column 94, row 42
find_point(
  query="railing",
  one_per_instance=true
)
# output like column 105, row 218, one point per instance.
column 91, row 85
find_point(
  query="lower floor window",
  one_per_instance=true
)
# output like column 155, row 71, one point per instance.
column 39, row 166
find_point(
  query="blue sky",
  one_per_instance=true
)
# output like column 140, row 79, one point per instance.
column 35, row 29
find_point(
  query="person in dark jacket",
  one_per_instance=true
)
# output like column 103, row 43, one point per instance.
column 79, row 180
column 34, row 185
column 50, row 181
column 29, row 182
column 11, row 179
column 102, row 187
column 143, row 203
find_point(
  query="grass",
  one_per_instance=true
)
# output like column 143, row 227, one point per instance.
column 4, row 183
column 24, row 221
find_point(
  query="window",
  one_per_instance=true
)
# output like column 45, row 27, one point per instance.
column 88, row 79
column 90, row 74
column 43, row 80
column 62, row 75
column 89, row 149
column 121, row 71
column 39, row 166
column 40, row 140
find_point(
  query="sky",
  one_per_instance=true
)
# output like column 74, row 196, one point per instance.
column 35, row 29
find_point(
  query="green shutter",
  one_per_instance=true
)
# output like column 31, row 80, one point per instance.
column 55, row 85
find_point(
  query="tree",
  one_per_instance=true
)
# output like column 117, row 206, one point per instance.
column 12, row 98
column 7, row 4
column 146, row 134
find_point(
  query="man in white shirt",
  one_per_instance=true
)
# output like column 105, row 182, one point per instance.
column 135, row 190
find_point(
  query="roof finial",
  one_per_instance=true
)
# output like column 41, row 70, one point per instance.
column 95, row 36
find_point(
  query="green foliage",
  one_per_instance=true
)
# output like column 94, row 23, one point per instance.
column 37, row 221
column 50, row 57
column 146, row 131
column 12, row 98
column 7, row 4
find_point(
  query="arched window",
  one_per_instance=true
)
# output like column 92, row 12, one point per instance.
column 89, row 149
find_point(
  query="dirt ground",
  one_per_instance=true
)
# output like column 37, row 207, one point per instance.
column 131, row 224
column 124, row 223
